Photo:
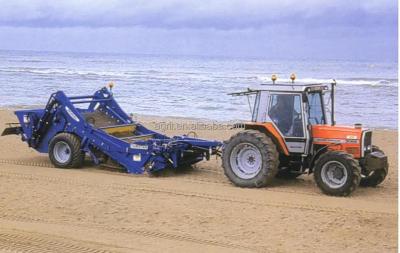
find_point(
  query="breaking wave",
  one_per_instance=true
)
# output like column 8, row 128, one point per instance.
column 59, row 71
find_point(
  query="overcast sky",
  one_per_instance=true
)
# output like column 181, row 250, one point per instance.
column 317, row 29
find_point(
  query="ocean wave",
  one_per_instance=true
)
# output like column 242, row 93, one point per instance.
column 123, row 74
column 350, row 81
column 32, row 61
column 60, row 71
column 182, row 75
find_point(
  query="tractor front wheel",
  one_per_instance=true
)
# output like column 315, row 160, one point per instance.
column 337, row 173
column 250, row 159
column 65, row 151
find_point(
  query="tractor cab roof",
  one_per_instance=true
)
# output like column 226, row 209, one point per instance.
column 287, row 87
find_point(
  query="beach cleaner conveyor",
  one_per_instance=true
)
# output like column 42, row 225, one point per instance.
column 68, row 128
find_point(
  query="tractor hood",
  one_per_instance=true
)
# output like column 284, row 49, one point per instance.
column 353, row 140
column 348, row 136
column 337, row 132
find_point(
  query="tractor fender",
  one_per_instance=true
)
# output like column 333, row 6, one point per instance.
column 270, row 130
column 318, row 153
column 315, row 157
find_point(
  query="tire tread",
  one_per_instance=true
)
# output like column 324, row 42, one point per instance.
column 355, row 170
column 77, row 155
column 267, row 149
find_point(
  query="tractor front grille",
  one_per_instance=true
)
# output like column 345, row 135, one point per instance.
column 367, row 142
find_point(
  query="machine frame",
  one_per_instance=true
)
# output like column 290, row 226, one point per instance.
column 114, row 137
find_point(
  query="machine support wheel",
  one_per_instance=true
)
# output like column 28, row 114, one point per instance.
column 377, row 176
column 337, row 173
column 250, row 159
column 65, row 151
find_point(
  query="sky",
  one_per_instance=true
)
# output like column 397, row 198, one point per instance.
column 287, row 29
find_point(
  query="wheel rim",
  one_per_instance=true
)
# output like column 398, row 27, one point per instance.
column 62, row 152
column 334, row 174
column 246, row 160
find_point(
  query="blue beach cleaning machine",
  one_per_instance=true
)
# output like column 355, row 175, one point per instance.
column 106, row 133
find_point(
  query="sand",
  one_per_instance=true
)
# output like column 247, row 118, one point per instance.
column 44, row 209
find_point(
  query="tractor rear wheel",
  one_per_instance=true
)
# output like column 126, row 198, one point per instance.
column 250, row 159
column 337, row 173
column 65, row 151
column 377, row 176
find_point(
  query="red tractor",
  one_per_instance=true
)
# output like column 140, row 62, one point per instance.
column 289, row 135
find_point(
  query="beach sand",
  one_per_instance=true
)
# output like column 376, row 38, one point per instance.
column 44, row 209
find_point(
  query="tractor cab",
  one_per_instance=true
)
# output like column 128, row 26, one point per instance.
column 292, row 110
column 292, row 133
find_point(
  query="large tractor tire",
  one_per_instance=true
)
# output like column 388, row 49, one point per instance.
column 250, row 159
column 65, row 151
column 337, row 173
column 377, row 176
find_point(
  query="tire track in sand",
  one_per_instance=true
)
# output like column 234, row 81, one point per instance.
column 18, row 240
column 124, row 230
column 143, row 187
column 185, row 177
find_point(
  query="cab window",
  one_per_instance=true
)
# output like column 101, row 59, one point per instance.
column 315, row 109
column 285, row 112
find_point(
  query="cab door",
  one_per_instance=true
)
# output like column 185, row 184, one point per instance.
column 286, row 112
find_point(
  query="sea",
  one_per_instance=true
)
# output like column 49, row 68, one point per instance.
column 196, row 86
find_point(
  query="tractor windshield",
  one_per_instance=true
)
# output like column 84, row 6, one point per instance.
column 316, row 113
